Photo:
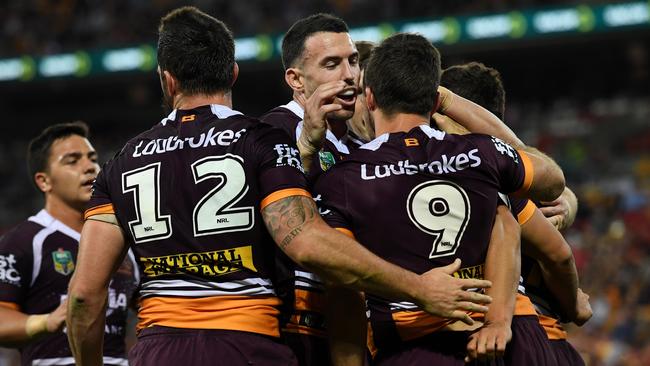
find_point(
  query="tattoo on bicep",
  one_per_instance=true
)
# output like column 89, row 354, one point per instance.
column 288, row 214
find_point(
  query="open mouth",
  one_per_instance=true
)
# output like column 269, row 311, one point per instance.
column 348, row 95
column 88, row 183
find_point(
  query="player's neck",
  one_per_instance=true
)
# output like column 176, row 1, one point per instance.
column 182, row 101
column 397, row 122
column 61, row 211
column 338, row 127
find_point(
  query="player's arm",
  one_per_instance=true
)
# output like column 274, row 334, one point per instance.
column 474, row 117
column 101, row 250
column 314, row 129
column 562, row 211
column 543, row 242
column 18, row 328
column 297, row 228
column 548, row 181
column 347, row 326
column 502, row 267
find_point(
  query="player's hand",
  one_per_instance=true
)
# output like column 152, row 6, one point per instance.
column 317, row 107
column 448, row 125
column 446, row 296
column 488, row 342
column 56, row 319
column 558, row 212
column 583, row 309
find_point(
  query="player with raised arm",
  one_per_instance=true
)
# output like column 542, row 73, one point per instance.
column 39, row 256
column 203, row 198
column 547, row 256
column 321, row 62
column 439, row 195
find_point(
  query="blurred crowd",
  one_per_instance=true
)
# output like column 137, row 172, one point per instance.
column 51, row 26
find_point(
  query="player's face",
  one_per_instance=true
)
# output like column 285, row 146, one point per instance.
column 361, row 122
column 329, row 57
column 72, row 169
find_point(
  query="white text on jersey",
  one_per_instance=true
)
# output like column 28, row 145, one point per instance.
column 445, row 165
column 211, row 138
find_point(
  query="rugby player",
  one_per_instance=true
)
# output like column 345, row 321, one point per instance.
column 38, row 257
column 542, row 242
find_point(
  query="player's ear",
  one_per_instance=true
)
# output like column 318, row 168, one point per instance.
column 42, row 181
column 235, row 74
column 370, row 100
column 293, row 77
column 170, row 83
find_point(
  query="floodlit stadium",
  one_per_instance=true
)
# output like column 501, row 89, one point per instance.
column 576, row 77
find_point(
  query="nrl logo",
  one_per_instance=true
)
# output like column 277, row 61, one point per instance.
column 63, row 262
column 326, row 160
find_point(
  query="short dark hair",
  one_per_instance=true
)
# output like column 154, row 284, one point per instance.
column 38, row 152
column 293, row 43
column 197, row 49
column 478, row 83
column 404, row 73
column 365, row 50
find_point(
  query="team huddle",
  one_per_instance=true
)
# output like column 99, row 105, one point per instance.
column 383, row 216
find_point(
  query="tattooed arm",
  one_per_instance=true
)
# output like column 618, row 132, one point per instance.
column 297, row 228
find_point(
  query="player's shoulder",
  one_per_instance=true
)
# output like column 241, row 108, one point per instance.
column 21, row 236
column 286, row 117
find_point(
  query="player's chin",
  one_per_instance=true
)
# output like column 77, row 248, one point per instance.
column 342, row 114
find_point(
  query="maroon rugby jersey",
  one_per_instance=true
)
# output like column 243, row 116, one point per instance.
column 188, row 194
column 419, row 200
column 300, row 287
column 37, row 259
column 543, row 300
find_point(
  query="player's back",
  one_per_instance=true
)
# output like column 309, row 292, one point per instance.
column 188, row 195
column 419, row 200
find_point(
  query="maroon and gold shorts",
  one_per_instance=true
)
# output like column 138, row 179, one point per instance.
column 161, row 346
column 565, row 353
column 529, row 345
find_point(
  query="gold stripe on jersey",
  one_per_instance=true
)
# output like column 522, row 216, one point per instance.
column 523, row 306
column 283, row 193
column 415, row 324
column 526, row 213
column 206, row 264
column 345, row 232
column 98, row 210
column 529, row 173
column 10, row 305
column 256, row 314
column 552, row 327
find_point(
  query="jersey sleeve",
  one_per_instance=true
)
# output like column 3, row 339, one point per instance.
column 279, row 168
column 282, row 119
column 100, row 201
column 512, row 168
column 15, row 270
column 330, row 197
column 522, row 208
